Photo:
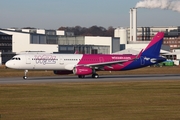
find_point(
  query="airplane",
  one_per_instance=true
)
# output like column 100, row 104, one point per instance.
column 87, row 64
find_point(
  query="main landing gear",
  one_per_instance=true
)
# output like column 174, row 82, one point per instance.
column 25, row 74
column 81, row 76
column 94, row 75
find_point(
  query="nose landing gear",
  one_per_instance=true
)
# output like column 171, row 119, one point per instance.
column 25, row 74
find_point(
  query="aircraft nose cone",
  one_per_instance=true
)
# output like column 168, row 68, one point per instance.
column 7, row 64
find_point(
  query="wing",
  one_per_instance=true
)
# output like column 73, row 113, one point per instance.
column 102, row 64
column 120, row 62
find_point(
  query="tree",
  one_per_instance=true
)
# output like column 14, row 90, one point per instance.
column 91, row 31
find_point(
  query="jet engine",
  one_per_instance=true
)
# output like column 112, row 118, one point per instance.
column 81, row 70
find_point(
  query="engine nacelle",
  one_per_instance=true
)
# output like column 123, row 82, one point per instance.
column 62, row 72
column 81, row 70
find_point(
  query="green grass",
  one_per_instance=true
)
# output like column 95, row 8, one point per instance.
column 146, row 100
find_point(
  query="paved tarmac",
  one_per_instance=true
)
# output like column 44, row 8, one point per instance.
column 102, row 78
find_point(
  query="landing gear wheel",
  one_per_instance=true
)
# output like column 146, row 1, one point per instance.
column 81, row 76
column 25, row 77
column 95, row 76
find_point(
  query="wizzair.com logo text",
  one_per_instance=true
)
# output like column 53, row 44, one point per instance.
column 120, row 57
column 45, row 59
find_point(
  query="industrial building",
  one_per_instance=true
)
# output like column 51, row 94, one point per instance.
column 145, row 34
column 135, row 38
column 56, row 41
column 142, row 35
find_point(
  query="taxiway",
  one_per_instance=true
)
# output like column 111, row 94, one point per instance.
column 103, row 78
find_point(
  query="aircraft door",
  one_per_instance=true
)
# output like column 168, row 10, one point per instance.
column 61, row 61
column 28, row 59
column 101, row 59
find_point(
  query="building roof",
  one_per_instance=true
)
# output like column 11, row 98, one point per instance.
column 127, row 51
column 136, row 51
column 1, row 33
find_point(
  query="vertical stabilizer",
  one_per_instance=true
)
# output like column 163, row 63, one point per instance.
column 153, row 48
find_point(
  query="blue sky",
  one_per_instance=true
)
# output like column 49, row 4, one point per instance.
column 52, row 14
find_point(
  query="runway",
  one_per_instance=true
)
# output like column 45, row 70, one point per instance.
column 102, row 78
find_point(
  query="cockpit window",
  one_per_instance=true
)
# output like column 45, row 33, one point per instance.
column 16, row 58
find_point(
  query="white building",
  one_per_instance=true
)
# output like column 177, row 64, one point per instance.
column 21, row 40
column 113, row 43
column 50, row 41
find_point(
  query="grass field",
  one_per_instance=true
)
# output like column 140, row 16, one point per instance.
column 131, row 100
column 157, row 100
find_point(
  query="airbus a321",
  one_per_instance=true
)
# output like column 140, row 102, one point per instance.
column 87, row 64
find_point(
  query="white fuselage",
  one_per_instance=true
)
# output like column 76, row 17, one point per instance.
column 44, row 61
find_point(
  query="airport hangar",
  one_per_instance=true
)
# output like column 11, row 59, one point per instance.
column 16, row 41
